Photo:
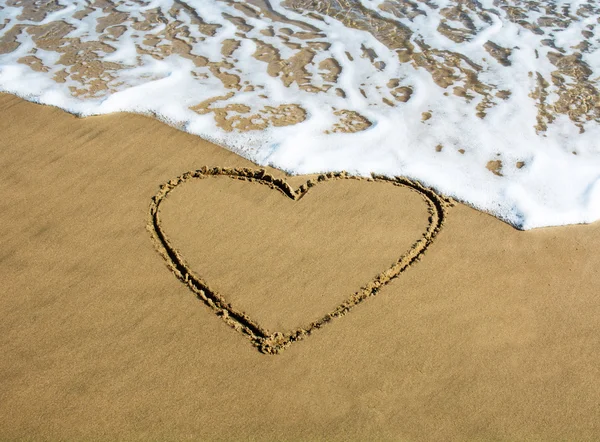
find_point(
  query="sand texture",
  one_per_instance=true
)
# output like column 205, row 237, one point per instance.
column 474, row 330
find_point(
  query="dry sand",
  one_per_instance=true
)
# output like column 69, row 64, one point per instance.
column 493, row 334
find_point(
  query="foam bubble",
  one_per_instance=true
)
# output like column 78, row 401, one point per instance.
column 491, row 103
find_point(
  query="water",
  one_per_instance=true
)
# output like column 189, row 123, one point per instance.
column 493, row 102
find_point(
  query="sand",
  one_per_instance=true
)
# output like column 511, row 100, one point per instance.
column 491, row 334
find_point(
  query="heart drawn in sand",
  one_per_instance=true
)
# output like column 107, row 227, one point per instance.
column 265, row 340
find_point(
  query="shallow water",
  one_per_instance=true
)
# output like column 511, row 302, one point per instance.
column 493, row 102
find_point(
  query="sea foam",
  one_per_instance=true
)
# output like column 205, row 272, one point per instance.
column 492, row 102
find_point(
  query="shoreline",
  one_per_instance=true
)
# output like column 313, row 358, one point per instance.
column 492, row 334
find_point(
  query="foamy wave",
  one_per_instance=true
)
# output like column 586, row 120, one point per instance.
column 493, row 102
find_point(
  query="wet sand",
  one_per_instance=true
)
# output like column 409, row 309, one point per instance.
column 492, row 334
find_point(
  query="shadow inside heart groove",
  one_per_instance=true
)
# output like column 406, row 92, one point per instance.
column 268, row 257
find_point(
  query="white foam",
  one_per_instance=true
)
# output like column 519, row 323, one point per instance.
column 554, row 187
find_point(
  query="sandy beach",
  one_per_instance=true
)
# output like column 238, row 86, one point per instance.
column 491, row 334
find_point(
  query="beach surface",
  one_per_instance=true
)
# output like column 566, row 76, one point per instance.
column 491, row 334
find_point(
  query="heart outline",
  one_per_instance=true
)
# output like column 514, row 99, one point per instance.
column 274, row 343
